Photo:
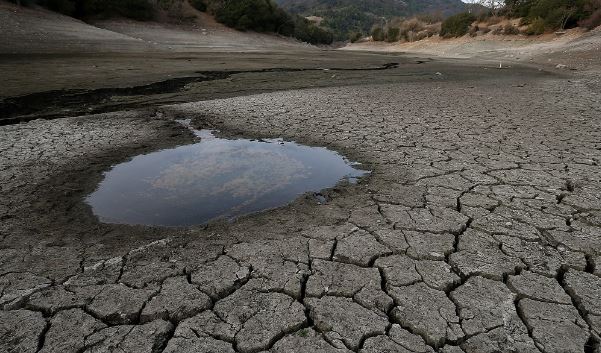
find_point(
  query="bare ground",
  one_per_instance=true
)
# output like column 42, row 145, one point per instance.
column 478, row 231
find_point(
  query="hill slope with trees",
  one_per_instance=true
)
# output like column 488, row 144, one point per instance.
column 251, row 15
column 347, row 16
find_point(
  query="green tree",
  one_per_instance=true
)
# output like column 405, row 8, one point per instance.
column 457, row 26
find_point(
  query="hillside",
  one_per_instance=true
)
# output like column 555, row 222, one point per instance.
column 344, row 16
column 28, row 30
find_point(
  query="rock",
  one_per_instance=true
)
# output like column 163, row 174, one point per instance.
column 342, row 320
column 119, row 304
column 177, row 300
column 147, row 338
column 427, row 312
column 20, row 330
column 68, row 330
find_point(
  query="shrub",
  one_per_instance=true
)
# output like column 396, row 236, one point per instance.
column 510, row 30
column 422, row 35
column 256, row 15
column 304, row 30
column 412, row 24
column 430, row 18
column 136, row 9
column 200, row 5
column 493, row 20
column 23, row 2
column 65, row 7
column 594, row 19
column 536, row 27
column 266, row 16
column 377, row 34
column 355, row 36
column 473, row 31
column 557, row 14
column 392, row 35
column 457, row 26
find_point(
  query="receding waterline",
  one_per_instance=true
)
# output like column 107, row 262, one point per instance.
column 215, row 178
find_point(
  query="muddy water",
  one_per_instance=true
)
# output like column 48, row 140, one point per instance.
column 215, row 178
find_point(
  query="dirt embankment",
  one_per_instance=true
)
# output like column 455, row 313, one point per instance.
column 575, row 49
column 36, row 30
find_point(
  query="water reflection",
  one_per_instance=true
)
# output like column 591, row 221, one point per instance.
column 215, row 178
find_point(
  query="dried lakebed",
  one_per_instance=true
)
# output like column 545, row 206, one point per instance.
column 215, row 178
column 478, row 231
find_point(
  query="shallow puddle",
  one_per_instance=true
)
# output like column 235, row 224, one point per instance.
column 215, row 178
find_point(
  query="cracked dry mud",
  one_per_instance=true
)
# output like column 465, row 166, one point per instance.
column 478, row 231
